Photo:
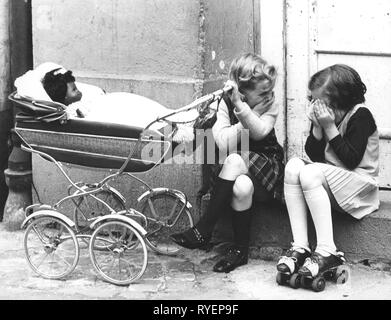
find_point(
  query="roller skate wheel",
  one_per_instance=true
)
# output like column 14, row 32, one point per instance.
column 280, row 278
column 294, row 281
column 342, row 274
column 318, row 284
column 330, row 275
column 305, row 282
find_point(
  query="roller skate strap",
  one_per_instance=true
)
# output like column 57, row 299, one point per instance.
column 289, row 262
column 341, row 256
column 317, row 263
column 312, row 266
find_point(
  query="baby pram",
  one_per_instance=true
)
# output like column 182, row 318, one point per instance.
column 116, row 235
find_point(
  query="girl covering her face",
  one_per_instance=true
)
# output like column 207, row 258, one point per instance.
column 343, row 146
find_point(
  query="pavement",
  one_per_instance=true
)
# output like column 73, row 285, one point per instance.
column 188, row 276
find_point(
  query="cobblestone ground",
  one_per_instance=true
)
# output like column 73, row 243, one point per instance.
column 187, row 276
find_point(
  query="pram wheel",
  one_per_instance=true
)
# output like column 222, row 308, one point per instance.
column 163, row 219
column 122, row 262
column 87, row 208
column 51, row 247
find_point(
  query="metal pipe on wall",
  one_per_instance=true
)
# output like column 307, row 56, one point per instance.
column 15, row 17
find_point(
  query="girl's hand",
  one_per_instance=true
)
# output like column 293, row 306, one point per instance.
column 311, row 114
column 324, row 114
column 266, row 101
column 235, row 96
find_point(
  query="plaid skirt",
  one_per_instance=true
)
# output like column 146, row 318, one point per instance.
column 265, row 171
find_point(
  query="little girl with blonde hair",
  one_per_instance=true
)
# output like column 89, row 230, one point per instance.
column 249, row 173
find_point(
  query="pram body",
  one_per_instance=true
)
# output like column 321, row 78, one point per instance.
column 45, row 128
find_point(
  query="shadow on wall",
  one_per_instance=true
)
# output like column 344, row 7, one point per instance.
column 5, row 147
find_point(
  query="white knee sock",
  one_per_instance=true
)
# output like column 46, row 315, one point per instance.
column 297, row 210
column 319, row 204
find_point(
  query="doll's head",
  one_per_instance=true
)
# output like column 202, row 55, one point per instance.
column 339, row 86
column 61, row 87
column 254, row 76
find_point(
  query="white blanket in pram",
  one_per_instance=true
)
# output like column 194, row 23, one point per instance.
column 96, row 105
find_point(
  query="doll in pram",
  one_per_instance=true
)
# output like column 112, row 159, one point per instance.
column 117, row 236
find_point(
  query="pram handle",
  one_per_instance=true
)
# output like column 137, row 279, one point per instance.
column 209, row 97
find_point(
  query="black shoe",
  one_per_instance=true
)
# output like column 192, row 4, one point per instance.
column 317, row 264
column 292, row 261
column 190, row 239
column 234, row 258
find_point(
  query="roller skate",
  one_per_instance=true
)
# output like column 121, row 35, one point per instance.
column 317, row 269
column 288, row 266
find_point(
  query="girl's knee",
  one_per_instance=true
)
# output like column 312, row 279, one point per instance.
column 311, row 176
column 243, row 188
column 233, row 167
column 234, row 160
column 292, row 171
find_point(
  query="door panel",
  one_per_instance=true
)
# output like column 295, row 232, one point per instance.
column 353, row 32
column 354, row 25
